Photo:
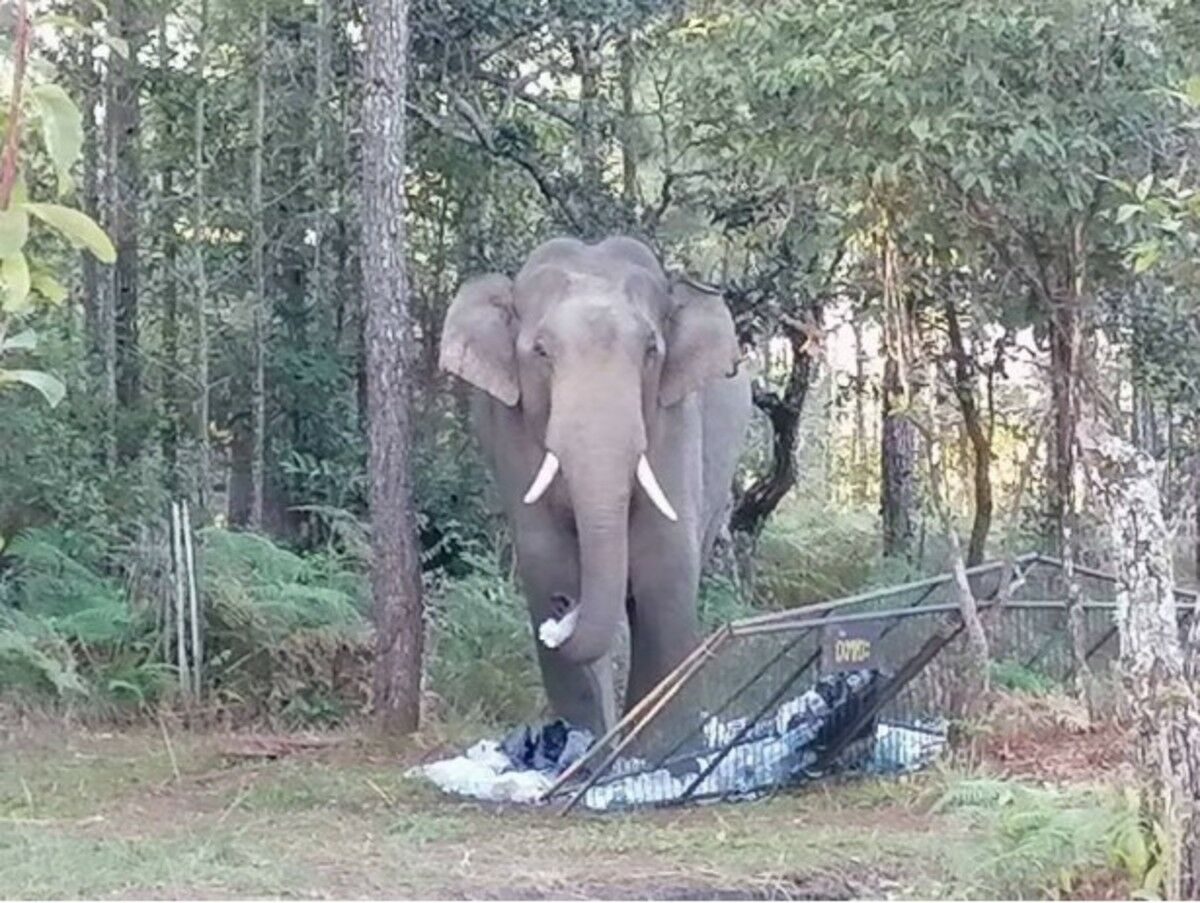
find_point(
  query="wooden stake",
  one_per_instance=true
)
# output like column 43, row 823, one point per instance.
column 194, row 604
column 705, row 652
column 180, row 604
column 630, row 716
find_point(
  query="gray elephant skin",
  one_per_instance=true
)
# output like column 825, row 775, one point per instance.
column 611, row 412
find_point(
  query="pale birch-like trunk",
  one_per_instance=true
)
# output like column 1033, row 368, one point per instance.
column 1162, row 701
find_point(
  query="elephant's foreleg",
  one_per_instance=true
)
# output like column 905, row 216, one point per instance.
column 664, row 575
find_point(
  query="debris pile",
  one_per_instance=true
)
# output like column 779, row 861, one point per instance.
column 802, row 739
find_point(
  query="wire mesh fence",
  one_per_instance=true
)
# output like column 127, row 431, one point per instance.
column 857, row 684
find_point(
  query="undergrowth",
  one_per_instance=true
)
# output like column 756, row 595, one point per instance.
column 1056, row 838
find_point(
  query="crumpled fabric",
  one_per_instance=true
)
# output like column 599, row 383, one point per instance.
column 551, row 747
column 518, row 769
column 782, row 747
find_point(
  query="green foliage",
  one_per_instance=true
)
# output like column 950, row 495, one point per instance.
column 1011, row 674
column 810, row 553
column 1054, row 837
column 481, row 659
column 721, row 601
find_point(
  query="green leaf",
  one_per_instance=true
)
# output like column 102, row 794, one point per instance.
column 14, row 269
column 920, row 129
column 1191, row 90
column 14, row 230
column 1146, row 257
column 49, row 288
column 77, row 226
column 116, row 44
column 62, row 129
column 1143, row 187
column 51, row 387
column 22, row 341
column 1127, row 211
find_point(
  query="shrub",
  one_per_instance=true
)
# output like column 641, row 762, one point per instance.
column 481, row 658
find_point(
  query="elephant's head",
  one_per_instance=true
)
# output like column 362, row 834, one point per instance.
column 591, row 349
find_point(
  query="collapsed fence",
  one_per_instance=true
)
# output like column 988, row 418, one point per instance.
column 855, row 684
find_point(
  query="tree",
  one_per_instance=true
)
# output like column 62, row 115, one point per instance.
column 395, row 569
column 123, row 123
column 258, row 263
column 1159, row 674
column 199, row 224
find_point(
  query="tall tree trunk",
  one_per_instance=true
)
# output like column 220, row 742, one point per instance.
column 981, row 441
column 170, row 317
column 586, row 63
column 629, row 178
column 320, row 193
column 898, row 440
column 92, row 302
column 204, row 479
column 124, row 122
column 1065, row 347
column 859, row 457
column 396, row 565
column 1162, row 700
column 258, row 264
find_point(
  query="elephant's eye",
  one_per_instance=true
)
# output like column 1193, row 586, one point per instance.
column 540, row 349
column 651, row 347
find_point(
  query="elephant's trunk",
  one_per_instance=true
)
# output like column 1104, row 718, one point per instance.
column 602, row 524
column 596, row 430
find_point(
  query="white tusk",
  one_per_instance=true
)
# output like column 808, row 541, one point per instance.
column 646, row 477
column 545, row 476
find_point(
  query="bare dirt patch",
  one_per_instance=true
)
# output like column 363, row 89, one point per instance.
column 1052, row 739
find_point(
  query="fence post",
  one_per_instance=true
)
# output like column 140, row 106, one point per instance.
column 193, row 600
column 177, row 556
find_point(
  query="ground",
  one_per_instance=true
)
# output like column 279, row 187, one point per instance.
column 162, row 812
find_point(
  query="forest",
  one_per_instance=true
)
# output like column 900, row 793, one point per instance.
column 958, row 240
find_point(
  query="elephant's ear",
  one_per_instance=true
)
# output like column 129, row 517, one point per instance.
column 701, row 342
column 478, row 338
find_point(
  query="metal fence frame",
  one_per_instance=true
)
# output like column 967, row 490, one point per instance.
column 803, row 622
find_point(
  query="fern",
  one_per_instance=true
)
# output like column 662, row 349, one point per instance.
column 1050, row 835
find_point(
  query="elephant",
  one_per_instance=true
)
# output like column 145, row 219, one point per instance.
column 595, row 374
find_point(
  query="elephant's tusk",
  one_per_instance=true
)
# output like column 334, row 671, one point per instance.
column 545, row 476
column 646, row 477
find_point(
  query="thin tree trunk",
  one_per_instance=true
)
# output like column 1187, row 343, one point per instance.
column 201, row 272
column 585, row 61
column 1065, row 345
column 92, row 302
column 170, row 317
column 1163, row 702
column 125, row 127
column 316, row 280
column 859, row 458
column 629, row 177
column 258, row 390
column 396, row 566
column 980, row 440
column 898, row 441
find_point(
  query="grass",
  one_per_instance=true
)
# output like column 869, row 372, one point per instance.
column 85, row 814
